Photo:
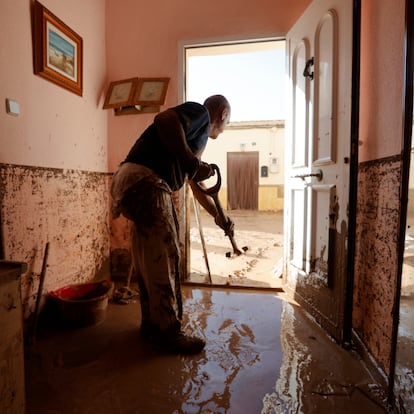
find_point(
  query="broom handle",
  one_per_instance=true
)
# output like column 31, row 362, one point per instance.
column 40, row 290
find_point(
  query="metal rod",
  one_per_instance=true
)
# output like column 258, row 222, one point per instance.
column 203, row 243
column 39, row 292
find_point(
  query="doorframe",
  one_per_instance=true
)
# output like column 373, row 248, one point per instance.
column 405, row 175
column 184, row 192
column 222, row 41
column 353, row 173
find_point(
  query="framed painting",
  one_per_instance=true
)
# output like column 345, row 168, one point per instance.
column 57, row 50
column 120, row 93
column 151, row 91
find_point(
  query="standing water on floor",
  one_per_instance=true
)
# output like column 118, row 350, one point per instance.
column 262, row 356
column 242, row 358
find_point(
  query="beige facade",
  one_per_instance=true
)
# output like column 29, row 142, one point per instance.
column 266, row 138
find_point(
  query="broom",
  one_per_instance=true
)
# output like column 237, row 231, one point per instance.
column 125, row 294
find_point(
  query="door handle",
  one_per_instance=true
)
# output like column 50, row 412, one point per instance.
column 306, row 72
column 318, row 175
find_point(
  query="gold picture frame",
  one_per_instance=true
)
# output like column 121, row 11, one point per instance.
column 57, row 50
column 120, row 93
column 151, row 91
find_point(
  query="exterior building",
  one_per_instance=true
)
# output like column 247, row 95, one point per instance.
column 239, row 143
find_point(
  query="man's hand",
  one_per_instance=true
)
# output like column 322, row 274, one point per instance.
column 225, row 223
column 203, row 172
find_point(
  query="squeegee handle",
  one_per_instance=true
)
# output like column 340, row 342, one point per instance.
column 216, row 187
column 228, row 233
column 213, row 192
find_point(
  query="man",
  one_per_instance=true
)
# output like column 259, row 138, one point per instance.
column 165, row 155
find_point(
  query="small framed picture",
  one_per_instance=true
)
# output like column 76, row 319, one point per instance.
column 57, row 50
column 121, row 93
column 151, row 91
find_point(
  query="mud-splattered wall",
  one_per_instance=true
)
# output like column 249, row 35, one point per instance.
column 68, row 209
column 376, row 259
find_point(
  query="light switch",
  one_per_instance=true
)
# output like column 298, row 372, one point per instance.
column 12, row 107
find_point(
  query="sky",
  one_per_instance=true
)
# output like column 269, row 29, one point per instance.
column 252, row 81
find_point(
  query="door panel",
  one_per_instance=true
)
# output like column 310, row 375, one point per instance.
column 325, row 70
column 318, row 148
column 300, row 106
column 298, row 226
column 323, row 201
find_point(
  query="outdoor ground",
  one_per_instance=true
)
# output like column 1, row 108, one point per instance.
column 260, row 265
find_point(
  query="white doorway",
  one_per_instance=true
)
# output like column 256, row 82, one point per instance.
column 251, row 75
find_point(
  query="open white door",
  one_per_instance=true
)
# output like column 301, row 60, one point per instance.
column 318, row 137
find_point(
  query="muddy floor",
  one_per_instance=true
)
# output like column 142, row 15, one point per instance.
column 258, row 235
column 263, row 355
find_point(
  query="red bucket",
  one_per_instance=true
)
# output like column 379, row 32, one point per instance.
column 83, row 304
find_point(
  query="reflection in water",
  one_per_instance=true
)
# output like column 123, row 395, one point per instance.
column 242, row 363
column 287, row 397
column 404, row 370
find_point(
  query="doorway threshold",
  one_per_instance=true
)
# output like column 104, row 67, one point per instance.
column 233, row 287
column 229, row 282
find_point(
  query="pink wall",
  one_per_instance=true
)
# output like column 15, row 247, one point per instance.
column 56, row 128
column 379, row 175
column 382, row 69
column 143, row 40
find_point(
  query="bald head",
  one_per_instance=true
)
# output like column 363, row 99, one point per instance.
column 216, row 104
column 219, row 109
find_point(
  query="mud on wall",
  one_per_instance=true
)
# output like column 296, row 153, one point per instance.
column 68, row 209
column 376, row 259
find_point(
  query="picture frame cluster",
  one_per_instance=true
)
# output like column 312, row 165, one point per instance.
column 136, row 92
column 58, row 58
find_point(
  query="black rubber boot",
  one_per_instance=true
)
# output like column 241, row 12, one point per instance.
column 185, row 344
column 179, row 344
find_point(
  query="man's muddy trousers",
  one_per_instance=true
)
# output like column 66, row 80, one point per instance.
column 145, row 199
